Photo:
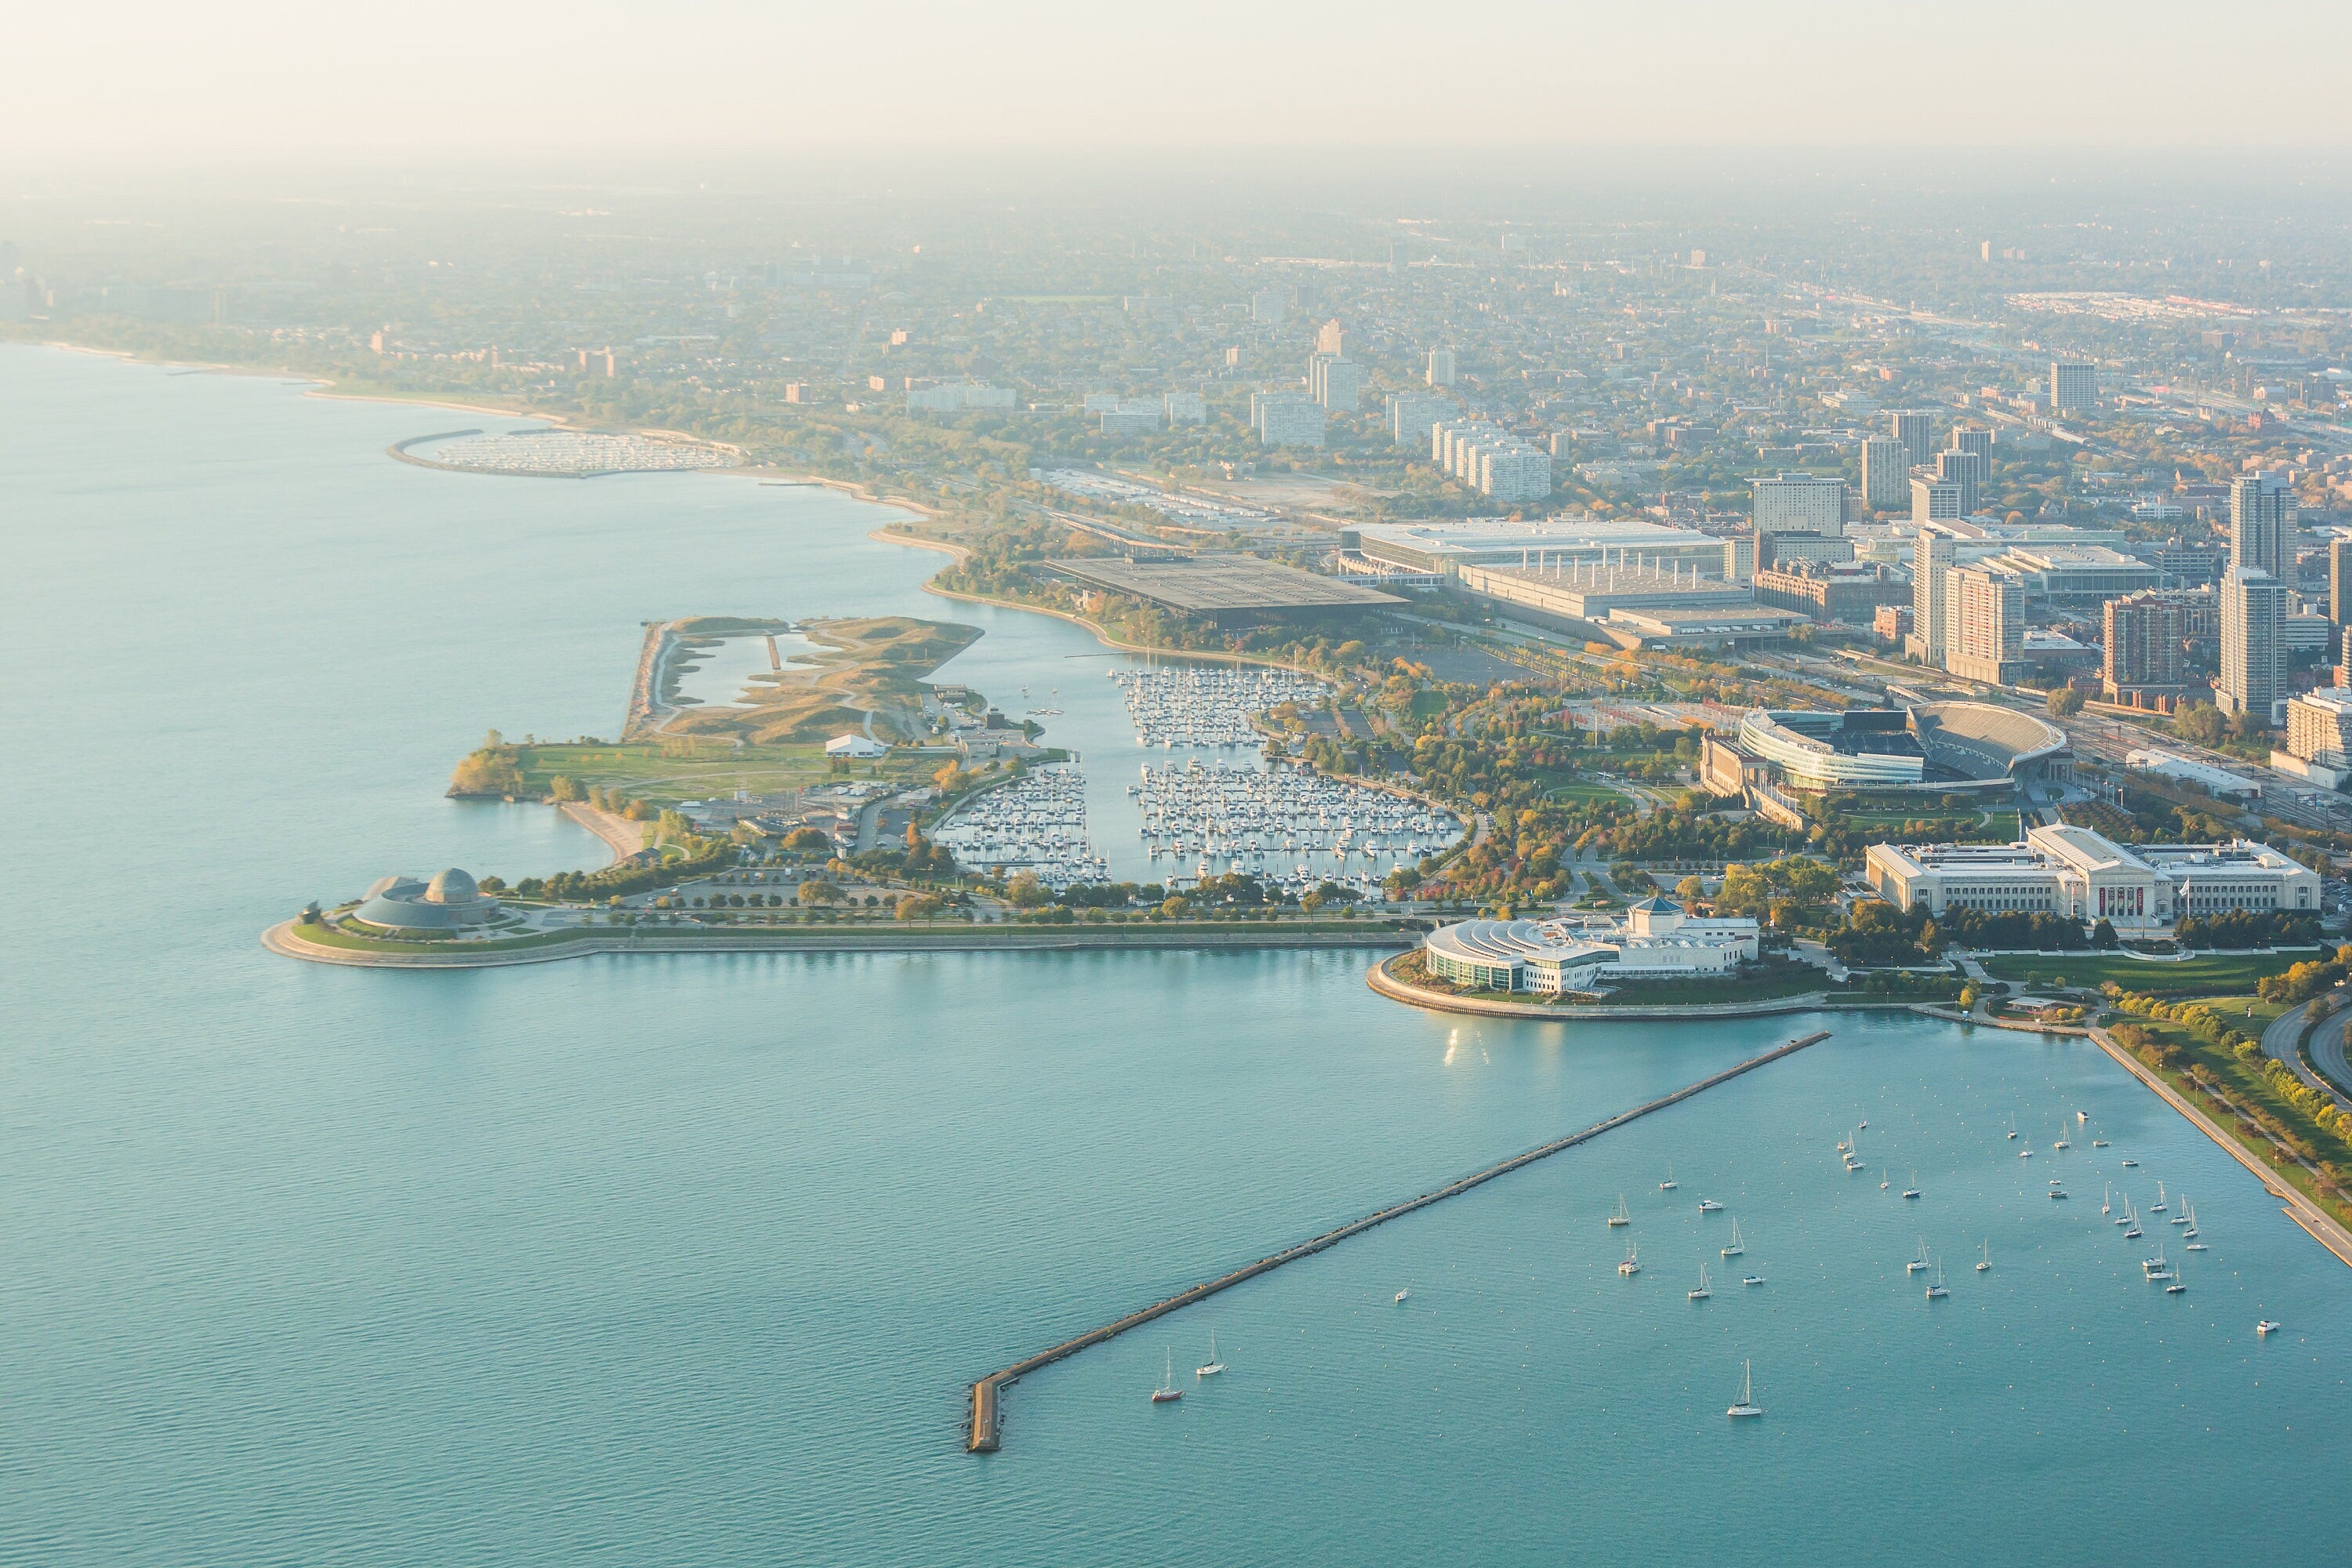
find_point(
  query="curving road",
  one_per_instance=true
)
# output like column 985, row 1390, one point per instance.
column 2278, row 1043
column 2327, row 1051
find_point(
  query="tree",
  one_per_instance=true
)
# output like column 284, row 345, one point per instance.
column 2201, row 722
column 819, row 893
column 1178, row 907
column 2066, row 702
column 1025, row 892
column 1690, row 890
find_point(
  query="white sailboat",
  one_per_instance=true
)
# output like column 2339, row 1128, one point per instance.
column 1920, row 1261
column 2106, row 1197
column 1913, row 1190
column 2157, row 1207
column 1669, row 1184
column 1621, row 1217
column 1936, row 1292
column 1631, row 1265
column 1984, row 1262
column 1168, row 1393
column 1738, row 1246
column 1747, row 1405
column 1213, row 1366
column 1702, row 1293
column 2063, row 1142
column 2183, row 1217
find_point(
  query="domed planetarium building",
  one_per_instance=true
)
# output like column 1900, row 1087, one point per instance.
column 450, row 901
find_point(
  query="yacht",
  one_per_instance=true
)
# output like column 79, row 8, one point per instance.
column 1168, row 1393
column 1747, row 1405
column 1920, row 1261
column 2025, row 1153
column 1213, row 1366
column 1631, row 1265
column 2268, row 1326
column 2012, row 1124
column 1865, row 1123
column 1936, row 1292
column 1702, row 1293
column 2081, row 1117
column 1752, row 1279
column 2056, row 1192
column 1402, row 1295
column 1621, row 1217
column 2155, row 1267
column 1985, row 1263
column 2128, row 1164
column 1737, row 1248
column 1708, row 1205
column 2098, row 1142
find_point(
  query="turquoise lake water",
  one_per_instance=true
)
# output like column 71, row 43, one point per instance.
column 688, row 1259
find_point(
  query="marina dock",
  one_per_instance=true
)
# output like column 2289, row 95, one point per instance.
column 987, row 1394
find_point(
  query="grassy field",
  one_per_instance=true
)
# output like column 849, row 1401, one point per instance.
column 2215, row 975
column 1574, row 789
column 665, row 771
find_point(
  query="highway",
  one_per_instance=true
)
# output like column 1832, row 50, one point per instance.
column 2278, row 1043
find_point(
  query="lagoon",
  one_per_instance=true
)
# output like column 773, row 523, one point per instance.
column 687, row 1260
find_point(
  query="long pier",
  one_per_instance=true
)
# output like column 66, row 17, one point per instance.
column 988, row 1394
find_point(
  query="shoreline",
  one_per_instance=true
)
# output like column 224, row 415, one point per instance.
column 2298, row 1208
column 617, row 832
column 280, row 939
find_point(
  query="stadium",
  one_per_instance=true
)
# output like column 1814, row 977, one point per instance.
column 1934, row 746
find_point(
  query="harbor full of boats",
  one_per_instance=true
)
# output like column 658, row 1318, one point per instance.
column 1287, row 827
column 1036, row 823
column 1195, row 705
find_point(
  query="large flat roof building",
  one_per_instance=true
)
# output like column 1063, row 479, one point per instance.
column 2080, row 875
column 1230, row 590
column 1568, row 540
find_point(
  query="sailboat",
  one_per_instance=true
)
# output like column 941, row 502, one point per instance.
column 1936, row 1291
column 1213, row 1365
column 1747, row 1405
column 2106, row 1197
column 2183, row 1217
column 2063, row 1142
column 2177, row 1284
column 1631, row 1265
column 2155, row 1267
column 1738, row 1246
column 1168, row 1393
column 1913, row 1190
column 1669, row 1184
column 1708, row 1205
column 1984, row 1262
column 2194, row 1245
column 2012, row 1124
column 1920, row 1261
column 1702, row 1293
column 2157, row 1207
column 1621, row 1217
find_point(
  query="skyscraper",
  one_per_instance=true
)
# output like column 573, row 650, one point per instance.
column 1965, row 468
column 1910, row 427
column 2264, row 528
column 1931, row 561
column 2339, row 582
column 1799, row 503
column 2073, row 384
column 2142, row 664
column 1331, row 338
column 1441, row 367
column 1935, row 500
column 2254, row 608
column 1885, row 472
column 1984, row 625
column 1974, row 439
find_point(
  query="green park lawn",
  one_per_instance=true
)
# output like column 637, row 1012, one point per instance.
column 2218, row 975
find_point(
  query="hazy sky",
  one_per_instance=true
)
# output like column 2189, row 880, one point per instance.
column 310, row 79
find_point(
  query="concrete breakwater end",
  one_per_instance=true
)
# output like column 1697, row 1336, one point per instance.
column 280, row 939
column 987, row 1394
